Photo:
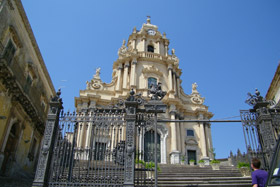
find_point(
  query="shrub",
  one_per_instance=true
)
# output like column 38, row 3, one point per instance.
column 147, row 165
column 192, row 160
column 151, row 165
column 243, row 164
column 214, row 161
column 201, row 161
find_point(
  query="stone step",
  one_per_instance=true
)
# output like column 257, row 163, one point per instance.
column 205, row 185
column 181, row 175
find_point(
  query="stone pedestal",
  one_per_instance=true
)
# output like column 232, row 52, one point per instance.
column 175, row 157
column 206, row 161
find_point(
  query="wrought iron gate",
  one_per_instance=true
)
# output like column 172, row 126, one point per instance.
column 89, row 149
column 104, row 147
column 261, row 127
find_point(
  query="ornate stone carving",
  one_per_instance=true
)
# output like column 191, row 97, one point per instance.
column 17, row 95
column 15, row 36
column 194, row 88
column 123, row 49
column 195, row 96
column 97, row 74
column 152, row 69
column 96, row 82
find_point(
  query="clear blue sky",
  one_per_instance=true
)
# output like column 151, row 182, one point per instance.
column 229, row 47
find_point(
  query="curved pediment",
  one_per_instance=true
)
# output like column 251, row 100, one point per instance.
column 191, row 141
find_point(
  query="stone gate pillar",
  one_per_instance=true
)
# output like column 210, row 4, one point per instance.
column 267, row 135
column 131, row 106
column 43, row 166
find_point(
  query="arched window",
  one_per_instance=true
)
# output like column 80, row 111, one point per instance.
column 150, row 48
column 152, row 80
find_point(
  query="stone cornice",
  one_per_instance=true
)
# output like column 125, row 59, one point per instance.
column 18, row 95
column 274, row 85
column 34, row 43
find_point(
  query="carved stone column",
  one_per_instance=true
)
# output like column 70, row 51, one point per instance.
column 175, row 154
column 125, row 74
column 203, row 141
column 118, row 87
column 165, row 48
column 130, row 143
column 43, row 167
column 174, row 83
column 209, row 137
column 178, row 85
column 170, row 78
column 133, row 73
column 144, row 44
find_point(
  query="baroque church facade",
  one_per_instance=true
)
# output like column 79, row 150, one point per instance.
column 142, row 61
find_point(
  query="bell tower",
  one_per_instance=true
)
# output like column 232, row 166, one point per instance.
column 145, row 59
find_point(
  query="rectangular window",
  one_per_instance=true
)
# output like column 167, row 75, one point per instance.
column 190, row 132
column 28, row 83
column 9, row 52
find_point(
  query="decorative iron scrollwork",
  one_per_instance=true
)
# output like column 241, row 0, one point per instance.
column 119, row 153
column 254, row 99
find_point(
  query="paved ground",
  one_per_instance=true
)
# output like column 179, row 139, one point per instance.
column 15, row 182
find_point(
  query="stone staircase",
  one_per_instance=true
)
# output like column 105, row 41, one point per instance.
column 195, row 176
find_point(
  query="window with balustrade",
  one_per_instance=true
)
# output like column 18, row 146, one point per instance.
column 151, row 48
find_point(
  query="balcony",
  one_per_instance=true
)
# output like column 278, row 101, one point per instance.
column 150, row 55
column 156, row 56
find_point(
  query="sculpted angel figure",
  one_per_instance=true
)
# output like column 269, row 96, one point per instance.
column 194, row 88
column 97, row 73
column 123, row 49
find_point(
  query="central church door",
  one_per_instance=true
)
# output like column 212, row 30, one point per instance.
column 149, row 147
column 191, row 156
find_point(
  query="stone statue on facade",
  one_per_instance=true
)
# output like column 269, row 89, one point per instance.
column 156, row 91
column 173, row 51
column 194, row 88
column 123, row 49
column 195, row 96
column 97, row 73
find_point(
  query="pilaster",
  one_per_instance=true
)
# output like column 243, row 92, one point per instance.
column 178, row 86
column 133, row 73
column 175, row 154
column 174, row 83
column 170, row 78
column 202, row 138
column 125, row 74
column 118, row 86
